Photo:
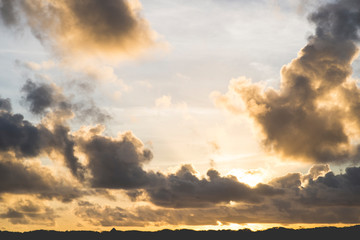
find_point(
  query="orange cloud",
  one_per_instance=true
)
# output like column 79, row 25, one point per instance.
column 109, row 28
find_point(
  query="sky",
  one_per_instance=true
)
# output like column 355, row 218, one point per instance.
column 162, row 114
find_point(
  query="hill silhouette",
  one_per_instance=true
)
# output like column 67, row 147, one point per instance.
column 272, row 233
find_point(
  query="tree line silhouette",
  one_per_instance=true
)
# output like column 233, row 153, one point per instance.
column 272, row 233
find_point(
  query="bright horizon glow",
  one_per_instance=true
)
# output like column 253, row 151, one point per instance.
column 251, row 176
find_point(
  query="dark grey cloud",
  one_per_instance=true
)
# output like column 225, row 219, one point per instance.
column 339, row 20
column 102, row 215
column 62, row 141
column 116, row 162
column 289, row 181
column 5, row 104
column 53, row 135
column 108, row 27
column 98, row 215
column 17, row 178
column 49, row 101
column 41, row 96
column 87, row 111
column 334, row 190
column 14, row 216
column 267, row 213
column 21, row 136
column 8, row 12
column 320, row 196
column 314, row 114
column 33, row 179
column 25, row 140
column 330, row 198
column 185, row 189
column 146, row 216
column 107, row 19
column 29, row 212
column 28, row 140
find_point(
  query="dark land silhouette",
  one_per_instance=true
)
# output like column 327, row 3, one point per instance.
column 272, row 233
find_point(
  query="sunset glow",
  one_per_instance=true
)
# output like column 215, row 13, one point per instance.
column 151, row 115
column 251, row 177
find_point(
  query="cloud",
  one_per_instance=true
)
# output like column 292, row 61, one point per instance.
column 27, row 140
column 8, row 13
column 144, row 216
column 289, row 181
column 313, row 116
column 88, row 111
column 34, row 179
column 231, row 101
column 45, row 65
column 326, row 199
column 114, row 162
column 20, row 136
column 214, row 146
column 102, row 215
column 89, row 27
column 117, row 163
column 5, row 104
column 16, row 177
column 185, row 189
column 48, row 99
column 163, row 102
column 317, row 171
column 339, row 20
column 334, row 190
column 29, row 212
column 41, row 97
column 296, row 181
column 63, row 142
